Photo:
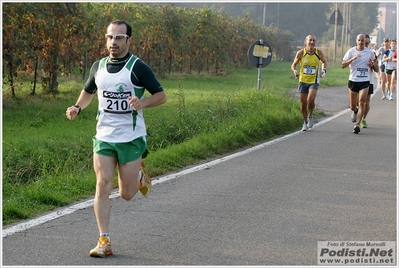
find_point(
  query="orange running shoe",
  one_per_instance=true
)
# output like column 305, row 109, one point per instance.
column 103, row 248
column 145, row 181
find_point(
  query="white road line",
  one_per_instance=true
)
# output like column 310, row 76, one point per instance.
column 69, row 210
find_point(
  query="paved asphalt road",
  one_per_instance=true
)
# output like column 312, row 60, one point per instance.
column 269, row 206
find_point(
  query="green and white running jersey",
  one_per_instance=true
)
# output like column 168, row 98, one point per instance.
column 117, row 121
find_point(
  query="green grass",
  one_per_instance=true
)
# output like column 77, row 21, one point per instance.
column 47, row 159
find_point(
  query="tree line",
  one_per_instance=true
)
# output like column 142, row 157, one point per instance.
column 45, row 39
column 302, row 18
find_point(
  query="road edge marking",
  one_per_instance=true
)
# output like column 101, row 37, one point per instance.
column 85, row 204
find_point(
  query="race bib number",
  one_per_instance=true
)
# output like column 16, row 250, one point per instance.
column 116, row 102
column 361, row 72
column 309, row 69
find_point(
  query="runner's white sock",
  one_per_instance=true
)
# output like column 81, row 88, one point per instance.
column 106, row 235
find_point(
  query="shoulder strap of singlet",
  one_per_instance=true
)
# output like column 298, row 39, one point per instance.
column 315, row 53
column 131, row 62
column 102, row 63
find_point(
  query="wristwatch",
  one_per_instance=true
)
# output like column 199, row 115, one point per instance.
column 77, row 106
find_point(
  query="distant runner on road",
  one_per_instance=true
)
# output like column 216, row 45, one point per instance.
column 309, row 74
column 359, row 59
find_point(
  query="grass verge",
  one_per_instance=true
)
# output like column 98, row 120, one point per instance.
column 47, row 159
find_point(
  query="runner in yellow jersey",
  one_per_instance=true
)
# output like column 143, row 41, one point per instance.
column 309, row 73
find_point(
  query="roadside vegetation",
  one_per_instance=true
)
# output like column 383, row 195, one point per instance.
column 47, row 159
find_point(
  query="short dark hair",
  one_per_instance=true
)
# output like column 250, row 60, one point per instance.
column 128, row 27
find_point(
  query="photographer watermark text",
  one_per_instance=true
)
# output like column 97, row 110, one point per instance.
column 356, row 253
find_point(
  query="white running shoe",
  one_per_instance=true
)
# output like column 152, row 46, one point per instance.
column 354, row 117
column 310, row 121
column 305, row 126
column 356, row 129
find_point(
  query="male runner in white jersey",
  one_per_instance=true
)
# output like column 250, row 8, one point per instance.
column 120, row 141
column 363, row 123
column 390, row 69
column 382, row 64
column 360, row 60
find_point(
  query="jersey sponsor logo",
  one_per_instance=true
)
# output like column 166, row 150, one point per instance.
column 116, row 95
column 117, row 102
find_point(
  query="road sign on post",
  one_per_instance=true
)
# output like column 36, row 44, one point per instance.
column 339, row 20
column 260, row 55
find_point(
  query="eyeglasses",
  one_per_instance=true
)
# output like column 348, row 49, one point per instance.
column 116, row 36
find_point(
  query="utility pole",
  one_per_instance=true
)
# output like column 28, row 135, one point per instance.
column 335, row 31
column 348, row 25
column 343, row 31
column 264, row 14
column 349, row 22
column 278, row 14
